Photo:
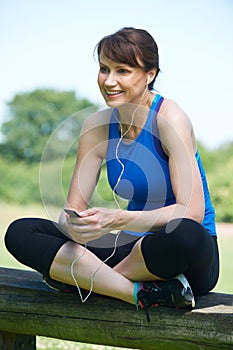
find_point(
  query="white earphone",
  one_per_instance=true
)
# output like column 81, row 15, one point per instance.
column 116, row 201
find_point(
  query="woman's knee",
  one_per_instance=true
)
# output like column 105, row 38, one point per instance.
column 172, row 249
column 13, row 235
column 34, row 242
column 20, row 235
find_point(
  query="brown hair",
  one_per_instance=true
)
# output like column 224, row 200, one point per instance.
column 134, row 47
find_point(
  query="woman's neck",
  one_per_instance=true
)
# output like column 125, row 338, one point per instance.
column 132, row 116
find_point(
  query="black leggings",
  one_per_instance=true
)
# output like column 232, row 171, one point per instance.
column 182, row 246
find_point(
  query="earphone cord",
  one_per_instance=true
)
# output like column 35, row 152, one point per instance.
column 83, row 300
column 120, row 162
column 118, row 145
column 94, row 272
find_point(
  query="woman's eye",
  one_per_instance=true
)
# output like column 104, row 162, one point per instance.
column 103, row 69
column 123, row 71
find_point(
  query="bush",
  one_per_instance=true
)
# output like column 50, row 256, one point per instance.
column 22, row 182
column 221, row 182
column 19, row 182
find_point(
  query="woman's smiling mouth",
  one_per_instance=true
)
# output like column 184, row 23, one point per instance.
column 113, row 93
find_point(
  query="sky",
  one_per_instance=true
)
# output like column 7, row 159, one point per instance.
column 50, row 44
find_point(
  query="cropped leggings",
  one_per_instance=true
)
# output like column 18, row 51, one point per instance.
column 182, row 246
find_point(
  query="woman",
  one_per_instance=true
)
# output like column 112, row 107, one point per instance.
column 166, row 249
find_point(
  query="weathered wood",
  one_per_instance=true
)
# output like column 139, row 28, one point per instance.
column 28, row 306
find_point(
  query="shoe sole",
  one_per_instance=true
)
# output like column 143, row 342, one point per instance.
column 187, row 292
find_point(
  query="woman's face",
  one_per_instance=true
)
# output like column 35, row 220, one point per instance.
column 120, row 83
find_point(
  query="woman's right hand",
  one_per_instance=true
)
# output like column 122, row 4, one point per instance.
column 91, row 224
column 76, row 228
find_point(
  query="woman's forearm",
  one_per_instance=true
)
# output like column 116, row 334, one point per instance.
column 151, row 220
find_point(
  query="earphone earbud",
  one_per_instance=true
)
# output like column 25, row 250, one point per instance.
column 148, row 79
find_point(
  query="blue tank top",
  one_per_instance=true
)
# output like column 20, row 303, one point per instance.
column 145, row 181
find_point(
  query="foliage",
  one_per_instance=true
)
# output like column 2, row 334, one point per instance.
column 34, row 116
column 19, row 182
column 219, row 169
column 39, row 118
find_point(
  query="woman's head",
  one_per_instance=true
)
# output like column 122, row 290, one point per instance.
column 134, row 47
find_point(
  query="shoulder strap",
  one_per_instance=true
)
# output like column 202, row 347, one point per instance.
column 155, row 130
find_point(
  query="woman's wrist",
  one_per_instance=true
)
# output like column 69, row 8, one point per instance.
column 124, row 219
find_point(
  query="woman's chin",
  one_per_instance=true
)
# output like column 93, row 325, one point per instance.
column 116, row 103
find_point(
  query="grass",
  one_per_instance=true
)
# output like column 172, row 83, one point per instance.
column 10, row 212
column 44, row 343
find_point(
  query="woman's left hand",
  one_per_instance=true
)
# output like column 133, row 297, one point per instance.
column 93, row 223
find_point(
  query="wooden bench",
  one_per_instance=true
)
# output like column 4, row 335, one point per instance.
column 29, row 308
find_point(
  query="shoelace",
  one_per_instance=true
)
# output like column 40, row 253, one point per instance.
column 144, row 302
column 145, row 307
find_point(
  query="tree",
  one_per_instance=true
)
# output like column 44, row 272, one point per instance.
column 34, row 116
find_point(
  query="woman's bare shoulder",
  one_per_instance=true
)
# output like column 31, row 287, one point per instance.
column 100, row 118
column 95, row 129
column 170, row 112
column 174, row 124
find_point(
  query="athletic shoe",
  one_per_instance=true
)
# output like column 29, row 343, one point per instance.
column 59, row 286
column 172, row 293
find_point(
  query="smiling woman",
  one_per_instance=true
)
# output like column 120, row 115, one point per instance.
column 120, row 83
column 132, row 48
column 128, row 60
column 166, row 251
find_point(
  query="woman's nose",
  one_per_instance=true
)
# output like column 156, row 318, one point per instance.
column 110, row 80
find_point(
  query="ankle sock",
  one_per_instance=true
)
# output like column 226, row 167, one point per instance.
column 137, row 287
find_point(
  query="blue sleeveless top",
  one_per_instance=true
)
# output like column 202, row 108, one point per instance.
column 145, row 181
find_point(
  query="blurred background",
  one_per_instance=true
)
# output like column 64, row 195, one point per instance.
column 48, row 73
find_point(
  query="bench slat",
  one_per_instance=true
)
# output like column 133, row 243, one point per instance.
column 29, row 306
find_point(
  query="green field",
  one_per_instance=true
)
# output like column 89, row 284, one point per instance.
column 11, row 212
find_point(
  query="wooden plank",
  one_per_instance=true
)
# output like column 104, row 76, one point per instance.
column 28, row 306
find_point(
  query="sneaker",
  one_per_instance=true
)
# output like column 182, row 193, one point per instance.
column 59, row 286
column 172, row 293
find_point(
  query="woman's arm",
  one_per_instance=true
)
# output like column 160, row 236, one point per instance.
column 177, row 135
column 179, row 143
column 178, row 140
column 91, row 151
